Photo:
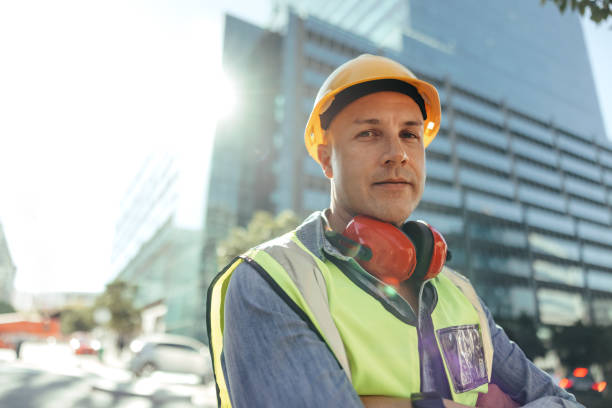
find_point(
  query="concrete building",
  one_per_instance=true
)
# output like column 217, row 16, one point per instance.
column 519, row 177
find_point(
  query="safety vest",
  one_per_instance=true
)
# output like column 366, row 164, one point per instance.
column 351, row 322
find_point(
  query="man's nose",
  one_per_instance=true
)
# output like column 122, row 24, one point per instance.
column 395, row 152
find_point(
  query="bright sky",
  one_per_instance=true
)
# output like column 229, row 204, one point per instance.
column 87, row 90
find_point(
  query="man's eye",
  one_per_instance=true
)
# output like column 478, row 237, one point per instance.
column 366, row 133
column 409, row 135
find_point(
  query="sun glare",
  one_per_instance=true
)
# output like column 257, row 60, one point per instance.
column 223, row 97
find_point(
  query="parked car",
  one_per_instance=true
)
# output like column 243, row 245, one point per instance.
column 582, row 382
column 170, row 353
column 83, row 344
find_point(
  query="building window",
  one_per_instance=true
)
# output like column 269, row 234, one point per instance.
column 550, row 221
column 599, row 280
column 486, row 181
column 602, row 311
column 481, row 156
column 492, row 206
column 597, row 255
column 554, row 246
column 541, row 197
column 507, row 299
column 558, row 273
column 560, row 307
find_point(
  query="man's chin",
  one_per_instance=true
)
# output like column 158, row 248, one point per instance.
column 396, row 218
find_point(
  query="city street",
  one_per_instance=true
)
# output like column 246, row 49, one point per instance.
column 50, row 375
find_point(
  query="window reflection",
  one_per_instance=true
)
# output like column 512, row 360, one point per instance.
column 553, row 272
column 602, row 311
column 497, row 207
column 555, row 246
column 438, row 169
column 507, row 300
column 538, row 174
column 442, row 194
column 441, row 144
column 503, row 234
column 542, row 198
column 560, row 307
column 506, row 263
column 534, row 151
column 599, row 280
column 478, row 109
column 593, row 232
column 576, row 147
column 486, row 181
column 589, row 211
column 586, row 189
column 597, row 255
column 445, row 223
column 531, row 129
column 480, row 132
column 580, row 167
column 550, row 221
column 484, row 157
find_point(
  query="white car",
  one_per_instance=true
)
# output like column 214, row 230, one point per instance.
column 170, row 353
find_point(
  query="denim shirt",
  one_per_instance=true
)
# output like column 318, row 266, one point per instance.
column 272, row 357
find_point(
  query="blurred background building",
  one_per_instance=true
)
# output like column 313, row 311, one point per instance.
column 7, row 270
column 519, row 177
column 156, row 253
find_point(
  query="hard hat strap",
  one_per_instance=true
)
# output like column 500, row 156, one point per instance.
column 352, row 93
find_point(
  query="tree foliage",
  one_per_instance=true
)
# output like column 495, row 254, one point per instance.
column 118, row 299
column 523, row 332
column 582, row 346
column 262, row 227
column 6, row 307
column 599, row 10
column 75, row 319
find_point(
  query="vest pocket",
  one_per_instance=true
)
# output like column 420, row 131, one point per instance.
column 463, row 356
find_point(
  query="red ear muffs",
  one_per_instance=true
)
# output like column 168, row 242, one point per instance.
column 430, row 247
column 393, row 254
column 416, row 250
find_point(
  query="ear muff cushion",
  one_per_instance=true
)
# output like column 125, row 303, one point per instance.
column 423, row 240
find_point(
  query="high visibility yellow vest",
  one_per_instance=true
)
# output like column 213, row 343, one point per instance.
column 351, row 322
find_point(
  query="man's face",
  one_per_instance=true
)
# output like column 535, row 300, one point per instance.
column 376, row 158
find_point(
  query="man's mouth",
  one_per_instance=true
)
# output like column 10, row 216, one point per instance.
column 392, row 181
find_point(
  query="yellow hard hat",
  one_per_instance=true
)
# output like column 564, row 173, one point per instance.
column 371, row 73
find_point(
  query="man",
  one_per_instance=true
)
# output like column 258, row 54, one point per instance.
column 309, row 320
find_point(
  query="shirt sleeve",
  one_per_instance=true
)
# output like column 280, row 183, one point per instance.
column 519, row 378
column 272, row 358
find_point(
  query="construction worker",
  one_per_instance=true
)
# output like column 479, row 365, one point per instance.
column 355, row 307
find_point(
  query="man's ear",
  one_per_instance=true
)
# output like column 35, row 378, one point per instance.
column 324, row 155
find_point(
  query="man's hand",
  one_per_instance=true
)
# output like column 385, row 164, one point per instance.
column 375, row 401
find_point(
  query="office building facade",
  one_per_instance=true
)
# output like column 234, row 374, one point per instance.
column 154, row 253
column 7, row 270
column 520, row 175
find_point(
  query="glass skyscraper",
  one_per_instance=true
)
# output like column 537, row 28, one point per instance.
column 519, row 177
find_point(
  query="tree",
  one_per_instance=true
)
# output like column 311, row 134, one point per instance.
column 118, row 299
column 600, row 10
column 262, row 227
column 523, row 332
column 582, row 346
column 76, row 319
column 6, row 307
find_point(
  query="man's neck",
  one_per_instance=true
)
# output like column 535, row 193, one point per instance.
column 336, row 220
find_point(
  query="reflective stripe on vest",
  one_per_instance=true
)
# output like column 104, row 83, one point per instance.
column 352, row 327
